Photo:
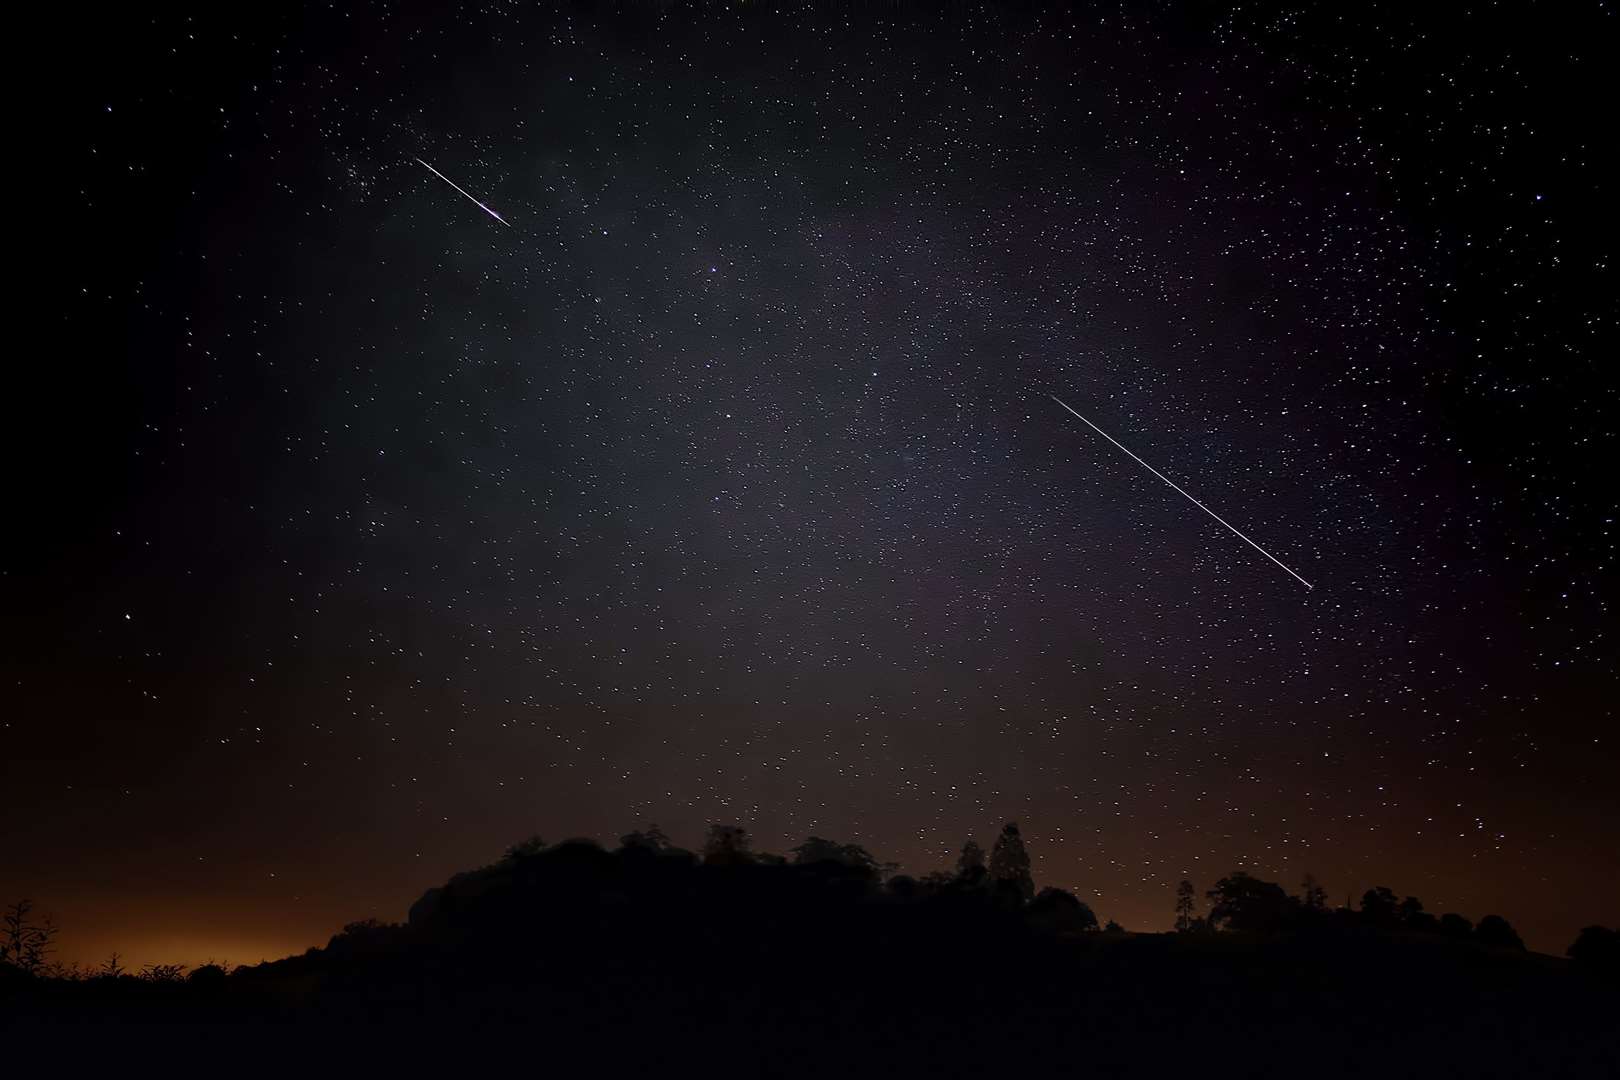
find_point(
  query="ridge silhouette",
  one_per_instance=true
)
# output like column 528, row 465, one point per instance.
column 730, row 961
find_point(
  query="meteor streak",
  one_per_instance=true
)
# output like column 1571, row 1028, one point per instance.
column 463, row 190
column 1190, row 499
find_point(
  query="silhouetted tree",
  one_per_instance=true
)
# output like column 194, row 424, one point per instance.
column 1061, row 912
column 1242, row 902
column 111, row 968
column 1185, row 903
column 1413, row 917
column 652, row 838
column 1597, row 950
column 1495, row 930
column 1379, row 906
column 815, row 849
column 1009, row 864
column 526, row 849
column 24, row 943
column 1112, row 927
column 1456, row 926
column 970, row 869
column 727, row 845
column 577, row 844
column 1313, row 897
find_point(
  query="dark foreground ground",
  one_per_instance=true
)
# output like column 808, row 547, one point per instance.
column 619, row 968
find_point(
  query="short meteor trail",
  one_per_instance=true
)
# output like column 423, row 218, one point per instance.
column 1190, row 499
column 464, row 191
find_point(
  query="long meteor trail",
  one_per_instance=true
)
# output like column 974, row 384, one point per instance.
column 464, row 191
column 1190, row 499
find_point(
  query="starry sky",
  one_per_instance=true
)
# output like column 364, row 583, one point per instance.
column 355, row 534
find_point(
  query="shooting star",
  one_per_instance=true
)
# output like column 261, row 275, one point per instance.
column 1190, row 499
column 464, row 191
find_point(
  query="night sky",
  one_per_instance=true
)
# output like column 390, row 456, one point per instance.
column 353, row 535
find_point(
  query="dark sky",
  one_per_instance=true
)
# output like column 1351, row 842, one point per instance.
column 354, row 535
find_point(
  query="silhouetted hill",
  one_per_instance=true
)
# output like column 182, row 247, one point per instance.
column 649, row 959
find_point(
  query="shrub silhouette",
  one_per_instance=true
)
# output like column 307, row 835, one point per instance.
column 1060, row 912
column 1597, row 950
column 1497, row 931
column 25, row 943
column 163, row 973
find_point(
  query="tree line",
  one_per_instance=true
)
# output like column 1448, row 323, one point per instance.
column 1238, row 903
column 1244, row 903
